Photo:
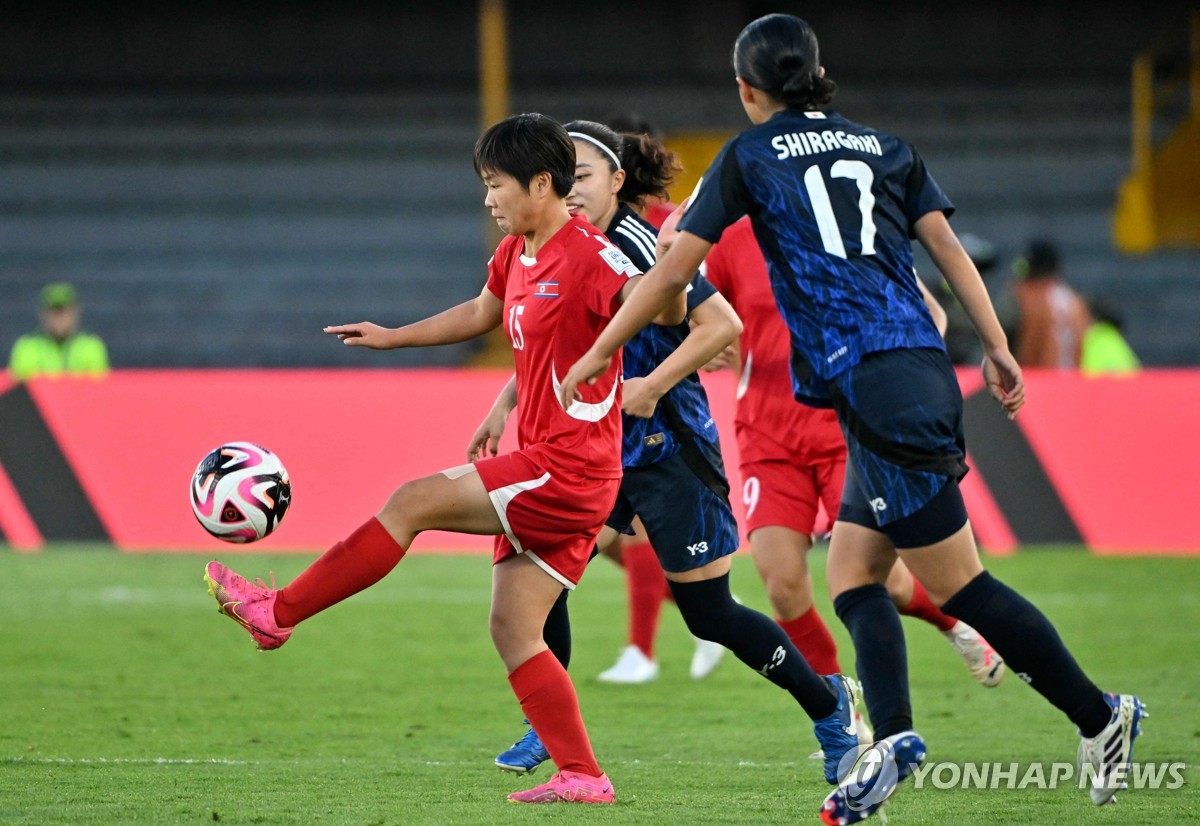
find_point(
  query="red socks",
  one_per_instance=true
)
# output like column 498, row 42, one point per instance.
column 355, row 563
column 922, row 607
column 646, row 586
column 809, row 633
column 550, row 704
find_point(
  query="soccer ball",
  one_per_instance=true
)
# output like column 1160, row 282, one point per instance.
column 240, row 492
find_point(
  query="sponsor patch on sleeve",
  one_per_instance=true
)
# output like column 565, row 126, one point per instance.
column 619, row 262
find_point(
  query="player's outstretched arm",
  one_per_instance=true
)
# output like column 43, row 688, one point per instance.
column 649, row 297
column 1000, row 369
column 460, row 323
column 486, row 441
column 715, row 326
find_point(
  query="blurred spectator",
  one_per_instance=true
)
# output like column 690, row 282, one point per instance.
column 962, row 342
column 58, row 347
column 1053, row 316
column 1105, row 350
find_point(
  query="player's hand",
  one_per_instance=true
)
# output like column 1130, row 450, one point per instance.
column 1003, row 377
column 639, row 398
column 362, row 334
column 486, row 441
column 585, row 371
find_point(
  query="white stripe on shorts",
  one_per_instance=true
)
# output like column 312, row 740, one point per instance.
column 500, row 499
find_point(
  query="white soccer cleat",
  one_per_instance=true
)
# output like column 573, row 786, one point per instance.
column 1110, row 753
column 707, row 657
column 985, row 664
column 632, row 668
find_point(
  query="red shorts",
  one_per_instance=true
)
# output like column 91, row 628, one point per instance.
column 781, row 494
column 550, row 516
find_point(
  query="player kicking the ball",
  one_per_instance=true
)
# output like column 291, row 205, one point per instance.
column 554, row 283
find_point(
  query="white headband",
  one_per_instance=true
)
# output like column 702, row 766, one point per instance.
column 601, row 146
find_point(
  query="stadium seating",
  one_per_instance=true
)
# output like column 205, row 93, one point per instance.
column 243, row 224
column 210, row 230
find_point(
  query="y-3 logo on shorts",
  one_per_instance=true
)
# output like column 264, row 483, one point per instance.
column 878, row 505
column 698, row 548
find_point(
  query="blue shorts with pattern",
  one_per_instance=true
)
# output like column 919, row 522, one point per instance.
column 689, row 524
column 901, row 412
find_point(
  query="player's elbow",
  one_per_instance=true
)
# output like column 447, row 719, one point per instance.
column 735, row 327
column 673, row 314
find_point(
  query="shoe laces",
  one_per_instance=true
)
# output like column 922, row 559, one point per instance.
column 529, row 739
column 258, row 580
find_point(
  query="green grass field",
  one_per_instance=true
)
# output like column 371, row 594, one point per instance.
column 125, row 698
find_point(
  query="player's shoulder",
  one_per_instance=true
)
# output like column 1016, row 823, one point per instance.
column 508, row 248
column 635, row 236
column 587, row 245
column 579, row 235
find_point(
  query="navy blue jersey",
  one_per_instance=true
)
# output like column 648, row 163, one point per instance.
column 684, row 409
column 833, row 204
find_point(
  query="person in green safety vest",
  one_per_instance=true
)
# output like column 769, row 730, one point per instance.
column 58, row 347
column 1104, row 351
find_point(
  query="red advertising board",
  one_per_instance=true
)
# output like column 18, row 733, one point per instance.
column 1116, row 455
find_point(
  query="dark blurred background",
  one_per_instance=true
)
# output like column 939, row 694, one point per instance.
column 221, row 180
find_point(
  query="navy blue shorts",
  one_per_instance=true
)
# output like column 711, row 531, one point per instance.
column 688, row 523
column 901, row 413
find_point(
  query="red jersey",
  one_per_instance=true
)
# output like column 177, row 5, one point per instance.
column 555, row 306
column 769, row 422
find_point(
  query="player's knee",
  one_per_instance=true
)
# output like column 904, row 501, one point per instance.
column 787, row 590
column 503, row 630
column 403, row 506
column 707, row 607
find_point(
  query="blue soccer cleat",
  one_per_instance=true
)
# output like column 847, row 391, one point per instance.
column 872, row 779
column 1105, row 759
column 525, row 755
column 838, row 733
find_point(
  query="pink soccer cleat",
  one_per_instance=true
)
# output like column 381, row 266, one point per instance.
column 250, row 605
column 568, row 787
column 985, row 664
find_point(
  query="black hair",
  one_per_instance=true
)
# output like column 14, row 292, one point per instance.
column 1042, row 258
column 523, row 146
column 649, row 166
column 622, row 121
column 778, row 54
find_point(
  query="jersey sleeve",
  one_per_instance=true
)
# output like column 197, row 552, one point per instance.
column 699, row 291
column 497, row 266
column 922, row 195
column 719, row 199
column 611, row 270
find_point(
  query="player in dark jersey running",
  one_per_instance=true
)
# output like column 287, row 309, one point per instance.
column 834, row 205
column 793, row 460
column 553, row 283
column 674, row 477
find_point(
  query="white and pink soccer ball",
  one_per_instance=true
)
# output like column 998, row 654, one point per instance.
column 240, row 492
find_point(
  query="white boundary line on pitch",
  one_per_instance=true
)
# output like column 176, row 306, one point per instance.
column 148, row 761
